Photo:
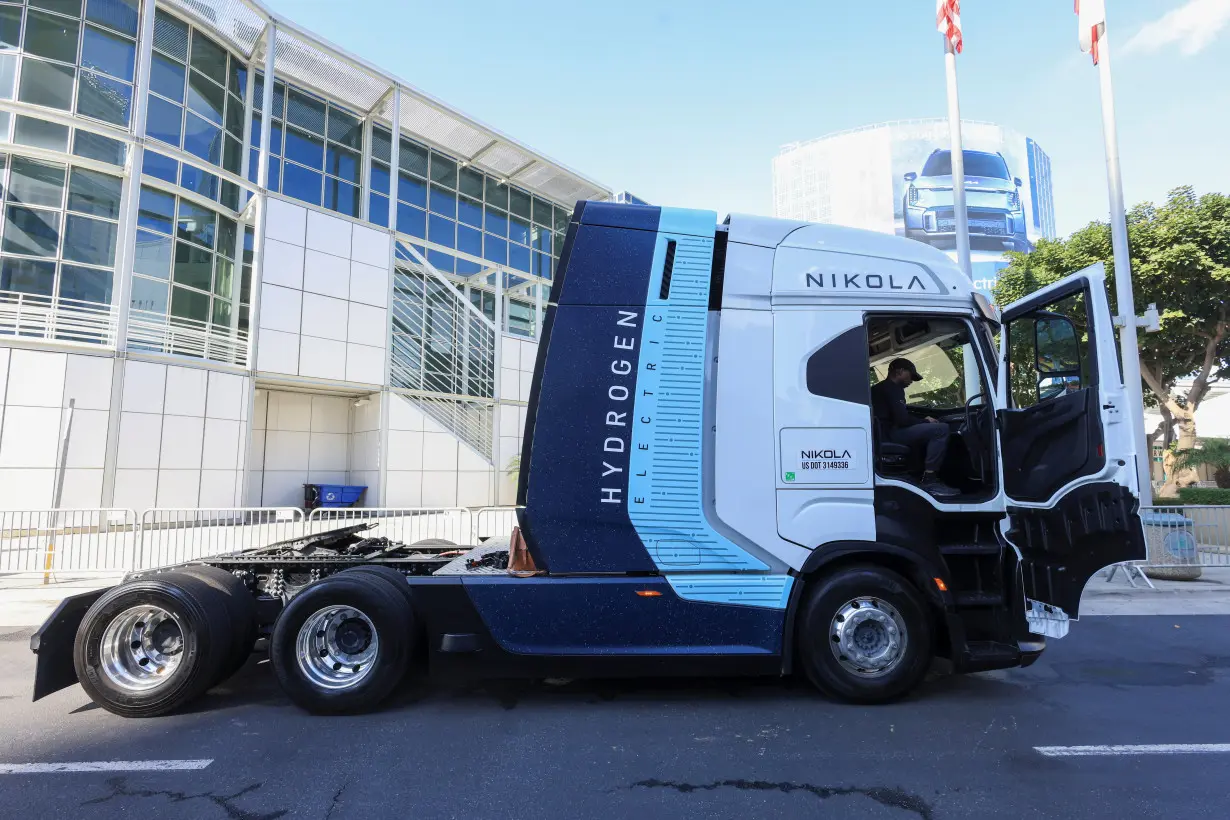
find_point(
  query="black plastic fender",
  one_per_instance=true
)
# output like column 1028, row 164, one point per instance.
column 53, row 644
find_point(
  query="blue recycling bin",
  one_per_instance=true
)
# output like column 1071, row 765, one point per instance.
column 332, row 495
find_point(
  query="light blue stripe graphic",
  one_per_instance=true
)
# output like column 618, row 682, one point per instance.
column 665, row 482
column 771, row 591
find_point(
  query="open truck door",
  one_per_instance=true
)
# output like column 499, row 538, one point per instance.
column 1068, row 450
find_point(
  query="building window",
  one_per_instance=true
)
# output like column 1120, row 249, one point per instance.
column 60, row 232
column 185, row 262
column 70, row 63
column 316, row 149
column 196, row 95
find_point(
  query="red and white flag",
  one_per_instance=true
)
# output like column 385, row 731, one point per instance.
column 1091, row 21
column 948, row 21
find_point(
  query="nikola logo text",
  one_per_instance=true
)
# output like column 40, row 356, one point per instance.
column 864, row 281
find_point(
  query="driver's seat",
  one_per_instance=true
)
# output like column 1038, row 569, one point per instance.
column 891, row 458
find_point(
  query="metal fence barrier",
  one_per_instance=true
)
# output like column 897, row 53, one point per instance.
column 68, row 541
column 1191, row 536
column 493, row 522
column 407, row 525
column 113, row 541
column 171, row 536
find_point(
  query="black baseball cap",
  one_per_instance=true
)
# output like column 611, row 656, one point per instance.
column 905, row 364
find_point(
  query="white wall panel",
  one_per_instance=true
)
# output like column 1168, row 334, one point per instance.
column 278, row 352
column 227, row 396
column 87, row 379
column 144, row 386
column 140, row 440
column 182, row 438
column 364, row 364
column 326, row 274
column 367, row 325
column 369, row 284
column 369, row 246
column 283, row 264
column 87, row 442
column 36, row 379
column 31, row 437
column 286, row 222
column 330, row 234
column 322, row 358
column 281, row 309
column 185, row 391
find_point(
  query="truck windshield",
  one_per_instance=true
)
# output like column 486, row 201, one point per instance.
column 977, row 164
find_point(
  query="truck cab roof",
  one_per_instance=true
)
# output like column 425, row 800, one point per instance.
column 814, row 263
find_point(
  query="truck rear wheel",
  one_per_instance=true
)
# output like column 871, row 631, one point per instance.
column 148, row 647
column 342, row 644
column 865, row 635
column 241, row 612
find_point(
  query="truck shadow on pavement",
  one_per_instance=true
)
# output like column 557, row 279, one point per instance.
column 255, row 685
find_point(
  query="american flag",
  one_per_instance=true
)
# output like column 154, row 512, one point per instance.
column 1091, row 21
column 948, row 21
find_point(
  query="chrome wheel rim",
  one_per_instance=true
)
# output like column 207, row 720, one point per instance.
column 141, row 648
column 337, row 648
column 868, row 637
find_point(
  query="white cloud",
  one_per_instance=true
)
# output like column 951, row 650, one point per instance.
column 1191, row 27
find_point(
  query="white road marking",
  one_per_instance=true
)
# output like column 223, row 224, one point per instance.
column 105, row 766
column 1145, row 749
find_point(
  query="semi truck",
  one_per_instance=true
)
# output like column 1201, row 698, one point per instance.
column 703, row 490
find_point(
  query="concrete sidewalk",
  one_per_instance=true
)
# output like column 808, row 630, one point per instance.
column 25, row 602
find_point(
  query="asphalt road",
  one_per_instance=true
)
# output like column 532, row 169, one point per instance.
column 963, row 747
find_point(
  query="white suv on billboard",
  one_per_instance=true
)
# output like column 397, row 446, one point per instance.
column 992, row 199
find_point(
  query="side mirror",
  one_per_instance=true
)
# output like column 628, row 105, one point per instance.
column 1017, row 181
column 911, row 176
column 1056, row 346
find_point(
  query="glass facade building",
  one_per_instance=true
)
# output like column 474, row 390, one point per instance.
column 133, row 139
column 892, row 177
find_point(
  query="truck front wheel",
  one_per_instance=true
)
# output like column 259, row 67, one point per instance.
column 865, row 635
column 342, row 644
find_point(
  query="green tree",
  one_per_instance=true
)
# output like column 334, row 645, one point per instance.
column 1213, row 453
column 1180, row 255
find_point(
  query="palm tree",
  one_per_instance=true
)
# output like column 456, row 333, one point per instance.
column 1213, row 453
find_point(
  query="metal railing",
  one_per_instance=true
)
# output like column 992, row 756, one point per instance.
column 171, row 536
column 1187, row 536
column 52, row 317
column 114, row 541
column 163, row 333
column 493, row 522
column 407, row 525
column 68, row 541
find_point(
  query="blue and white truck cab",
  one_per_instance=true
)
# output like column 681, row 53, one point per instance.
column 704, row 490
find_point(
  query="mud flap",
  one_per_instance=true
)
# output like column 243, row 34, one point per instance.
column 1047, row 620
column 53, row 644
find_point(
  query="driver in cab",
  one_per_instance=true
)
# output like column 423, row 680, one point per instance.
column 899, row 426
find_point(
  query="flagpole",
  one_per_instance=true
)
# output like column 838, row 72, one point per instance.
column 959, row 214
column 1123, row 277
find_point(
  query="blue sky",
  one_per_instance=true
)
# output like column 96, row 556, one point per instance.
column 685, row 103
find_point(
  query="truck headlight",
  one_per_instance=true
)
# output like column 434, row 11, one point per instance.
column 1014, row 201
column 912, row 195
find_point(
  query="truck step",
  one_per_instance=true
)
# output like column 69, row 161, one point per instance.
column 978, row 598
column 982, row 656
column 969, row 549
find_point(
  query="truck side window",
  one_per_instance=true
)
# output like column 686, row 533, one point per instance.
column 944, row 352
column 1048, row 353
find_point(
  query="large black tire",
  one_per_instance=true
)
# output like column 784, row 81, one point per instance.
column 391, row 621
column 819, row 634
column 205, row 632
column 386, row 573
column 241, row 609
